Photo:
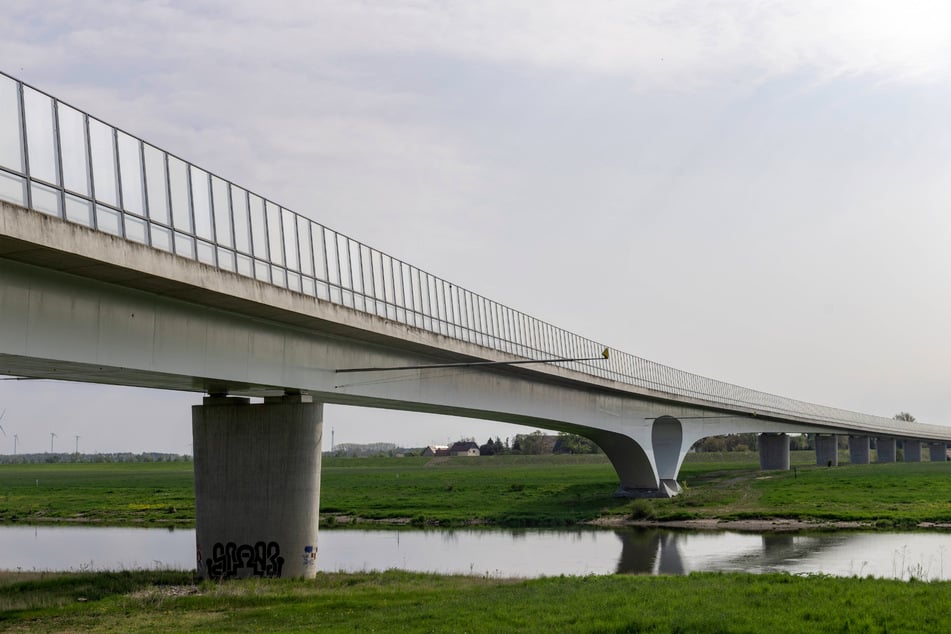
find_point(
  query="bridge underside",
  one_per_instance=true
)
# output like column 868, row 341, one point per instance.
column 62, row 326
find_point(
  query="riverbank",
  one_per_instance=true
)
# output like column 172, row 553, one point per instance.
column 399, row 601
column 776, row 525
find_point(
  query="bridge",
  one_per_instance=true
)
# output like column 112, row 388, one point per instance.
column 121, row 263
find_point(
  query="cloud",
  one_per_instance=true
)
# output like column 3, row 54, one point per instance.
column 657, row 44
column 693, row 181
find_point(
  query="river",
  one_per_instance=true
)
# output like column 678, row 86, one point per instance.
column 511, row 553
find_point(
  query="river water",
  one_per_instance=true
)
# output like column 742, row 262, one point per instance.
column 511, row 553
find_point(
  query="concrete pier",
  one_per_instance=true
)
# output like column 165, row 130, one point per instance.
column 886, row 450
column 257, row 486
column 938, row 451
column 827, row 450
column 912, row 451
column 858, row 449
column 773, row 452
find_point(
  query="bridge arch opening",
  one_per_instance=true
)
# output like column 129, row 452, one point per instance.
column 667, row 439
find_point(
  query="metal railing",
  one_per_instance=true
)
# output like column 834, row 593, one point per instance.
column 61, row 161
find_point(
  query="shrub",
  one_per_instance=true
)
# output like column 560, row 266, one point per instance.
column 642, row 510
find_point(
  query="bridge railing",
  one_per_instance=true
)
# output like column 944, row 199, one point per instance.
column 61, row 161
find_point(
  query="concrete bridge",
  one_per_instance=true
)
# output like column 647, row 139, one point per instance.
column 123, row 264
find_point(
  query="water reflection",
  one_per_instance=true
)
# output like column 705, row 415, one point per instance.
column 507, row 553
column 890, row 555
column 649, row 551
column 86, row 548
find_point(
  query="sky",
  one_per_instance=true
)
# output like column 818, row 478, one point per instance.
column 753, row 191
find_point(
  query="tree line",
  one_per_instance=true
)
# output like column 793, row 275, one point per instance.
column 537, row 443
column 54, row 458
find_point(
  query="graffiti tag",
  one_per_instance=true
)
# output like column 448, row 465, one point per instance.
column 230, row 560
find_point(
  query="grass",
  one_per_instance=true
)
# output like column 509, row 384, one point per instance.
column 114, row 494
column 497, row 490
column 889, row 495
column 504, row 490
column 401, row 601
column 507, row 490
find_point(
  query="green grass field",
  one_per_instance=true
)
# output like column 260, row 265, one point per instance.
column 497, row 490
column 401, row 601
column 113, row 494
column 507, row 490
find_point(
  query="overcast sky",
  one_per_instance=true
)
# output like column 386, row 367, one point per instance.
column 758, row 192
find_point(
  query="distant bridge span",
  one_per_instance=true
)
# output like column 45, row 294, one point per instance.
column 122, row 264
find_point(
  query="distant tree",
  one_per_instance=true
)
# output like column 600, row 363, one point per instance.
column 488, row 449
column 498, row 447
column 801, row 442
column 731, row 442
column 711, row 444
column 573, row 443
column 905, row 416
column 533, row 443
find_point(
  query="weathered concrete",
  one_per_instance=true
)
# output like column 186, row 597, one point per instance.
column 257, row 486
column 827, row 450
column 858, row 449
column 912, row 451
column 774, row 452
column 886, row 449
column 938, row 451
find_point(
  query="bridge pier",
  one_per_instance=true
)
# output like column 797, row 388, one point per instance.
column 912, row 451
column 257, row 486
column 886, row 450
column 827, row 450
column 858, row 449
column 773, row 452
column 641, row 476
column 938, row 451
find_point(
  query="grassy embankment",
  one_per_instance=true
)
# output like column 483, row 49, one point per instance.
column 400, row 601
column 500, row 490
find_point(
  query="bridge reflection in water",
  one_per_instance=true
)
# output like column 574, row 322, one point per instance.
column 667, row 552
column 892, row 555
column 659, row 551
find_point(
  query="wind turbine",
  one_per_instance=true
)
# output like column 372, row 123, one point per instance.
column 77, row 445
column 15, row 439
column 52, row 436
